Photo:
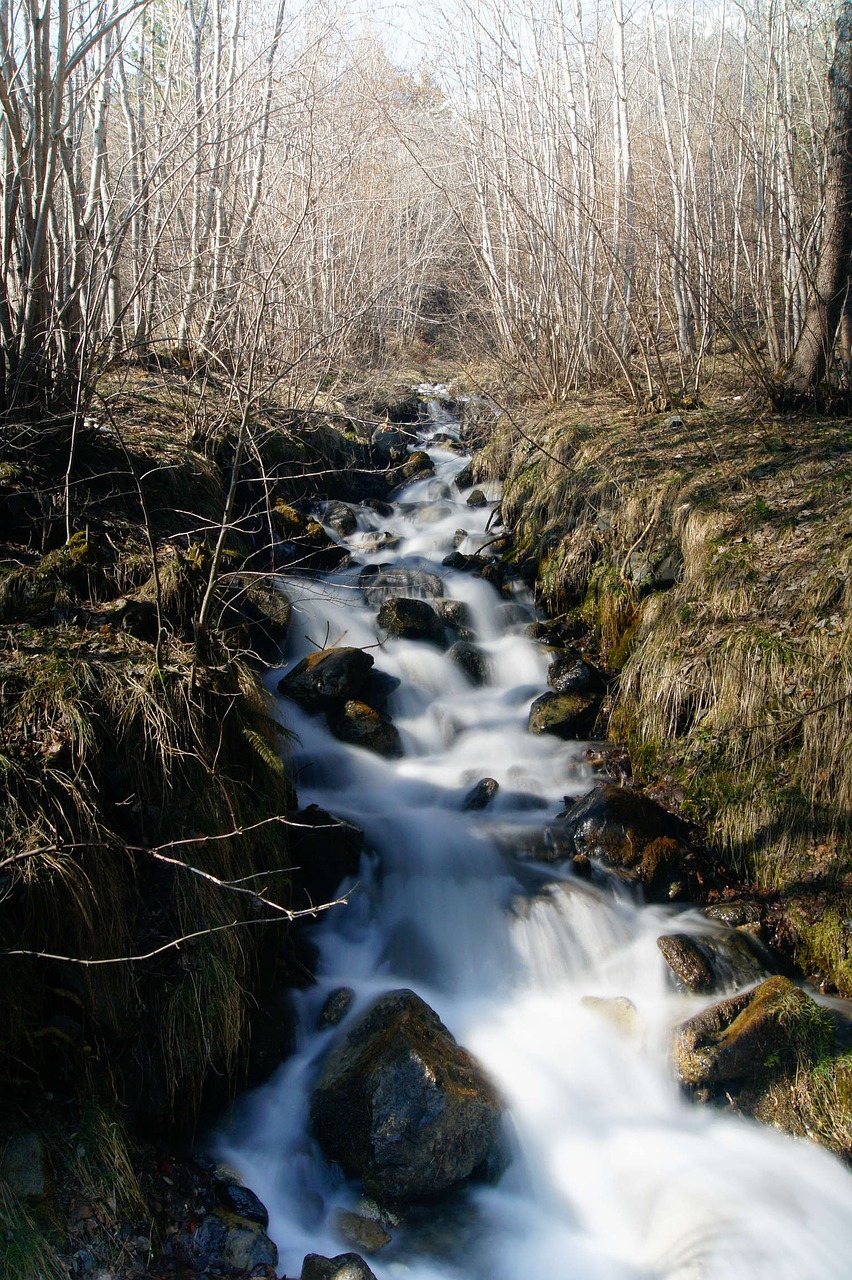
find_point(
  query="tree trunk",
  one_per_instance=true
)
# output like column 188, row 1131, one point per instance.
column 809, row 361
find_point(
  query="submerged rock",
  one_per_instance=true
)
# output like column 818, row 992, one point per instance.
column 402, row 1106
column 363, row 726
column 567, row 715
column 409, row 619
column 380, row 584
column 327, row 678
column 472, row 661
column 481, row 795
column 771, row 1029
column 336, row 1006
column 618, row 1011
column 364, row 1232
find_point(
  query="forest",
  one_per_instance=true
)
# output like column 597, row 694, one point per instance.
column 346, row 360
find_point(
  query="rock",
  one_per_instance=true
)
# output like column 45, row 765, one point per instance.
column 328, row 678
column 312, row 548
column 337, row 1005
column 477, row 499
column 771, row 1029
column 363, row 726
column 456, row 615
column 383, row 509
column 383, row 584
column 462, row 563
column 341, row 518
column 379, row 688
column 471, row 659
column 223, row 1242
column 240, row 1200
column 688, row 961
column 464, row 478
column 346, row 1266
column 618, row 1011
column 323, row 851
column 566, row 715
column 287, row 521
column 570, row 673
column 626, row 829
column 402, row 1106
column 481, row 795
column 417, row 465
column 736, row 913
column 356, row 1228
column 388, row 440
column 23, row 1165
column 408, row 619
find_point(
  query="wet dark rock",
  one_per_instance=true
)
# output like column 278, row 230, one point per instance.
column 481, row 795
column 242, row 1201
column 336, row 1006
column 417, row 465
column 327, row 678
column 224, row 1244
column 364, row 1232
column 456, row 615
column 570, row 673
column 311, row 548
column 379, row 688
column 380, row 584
column 477, row 499
column 402, row 1106
column 769, row 1030
column 409, row 619
column 736, row 913
column 387, row 441
column 581, row 865
column 346, row 1266
column 472, row 661
column 462, row 563
column 341, row 518
column 514, row 614
column 715, row 961
column 464, row 478
column 363, row 726
column 690, row 964
column 567, row 715
column 323, row 850
column 381, row 508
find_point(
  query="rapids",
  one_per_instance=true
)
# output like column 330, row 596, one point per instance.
column 615, row 1176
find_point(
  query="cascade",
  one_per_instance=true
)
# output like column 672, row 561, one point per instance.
column 614, row 1175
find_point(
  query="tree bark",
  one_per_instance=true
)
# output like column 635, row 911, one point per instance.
column 808, row 364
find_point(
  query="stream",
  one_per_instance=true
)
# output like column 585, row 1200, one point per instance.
column 614, row 1175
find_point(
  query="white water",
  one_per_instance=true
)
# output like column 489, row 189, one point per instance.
column 615, row 1176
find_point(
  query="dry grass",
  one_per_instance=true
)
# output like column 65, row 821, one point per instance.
column 737, row 680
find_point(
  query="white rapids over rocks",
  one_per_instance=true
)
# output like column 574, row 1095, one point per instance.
column 615, row 1176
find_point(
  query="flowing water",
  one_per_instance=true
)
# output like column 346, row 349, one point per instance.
column 614, row 1176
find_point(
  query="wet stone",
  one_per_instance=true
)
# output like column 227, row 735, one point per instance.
column 380, row 584
column 567, row 715
column 481, row 795
column 357, row 1229
column 570, row 673
column 471, row 660
column 689, row 962
column 363, row 726
column 243, row 1202
column 408, row 619
column 477, row 499
column 345, row 1266
column 336, row 1006
column 327, row 678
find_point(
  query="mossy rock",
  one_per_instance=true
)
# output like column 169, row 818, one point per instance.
column 768, row 1031
column 566, row 715
column 363, row 726
column 287, row 521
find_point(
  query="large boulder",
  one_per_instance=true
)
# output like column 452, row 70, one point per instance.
column 770, row 1030
column 402, row 1106
column 626, row 829
column 411, row 620
column 566, row 715
column 327, row 678
column 363, row 726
